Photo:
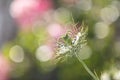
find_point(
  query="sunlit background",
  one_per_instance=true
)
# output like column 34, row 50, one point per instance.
column 29, row 30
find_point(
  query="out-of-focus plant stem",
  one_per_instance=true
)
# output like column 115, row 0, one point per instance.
column 86, row 68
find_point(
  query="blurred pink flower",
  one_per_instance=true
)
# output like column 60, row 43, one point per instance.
column 26, row 11
column 4, row 68
column 56, row 30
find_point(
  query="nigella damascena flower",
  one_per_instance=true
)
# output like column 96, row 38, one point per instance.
column 72, row 42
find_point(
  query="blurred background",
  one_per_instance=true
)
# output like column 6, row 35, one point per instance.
column 29, row 30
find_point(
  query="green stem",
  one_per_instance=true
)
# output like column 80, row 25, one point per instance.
column 86, row 68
